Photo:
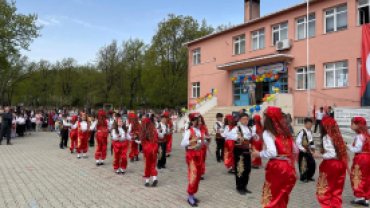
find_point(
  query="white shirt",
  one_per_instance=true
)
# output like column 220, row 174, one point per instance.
column 329, row 147
column 358, row 146
column 165, row 130
column 185, row 141
column 21, row 121
column 216, row 126
column 83, row 125
column 269, row 141
column 254, row 133
column 74, row 126
column 300, row 137
column 93, row 125
column 66, row 124
column 319, row 115
column 123, row 135
column 233, row 134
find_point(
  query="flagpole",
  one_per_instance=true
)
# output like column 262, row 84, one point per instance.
column 308, row 61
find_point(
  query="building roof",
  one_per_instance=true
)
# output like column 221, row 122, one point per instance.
column 247, row 23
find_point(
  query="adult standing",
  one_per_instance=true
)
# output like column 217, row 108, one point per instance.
column 330, row 112
column 319, row 116
column 51, row 121
column 252, row 93
column 6, row 125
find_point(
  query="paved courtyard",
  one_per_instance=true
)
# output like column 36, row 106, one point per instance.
column 34, row 173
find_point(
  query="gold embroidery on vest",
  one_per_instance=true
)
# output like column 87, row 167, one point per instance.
column 322, row 186
column 226, row 154
column 240, row 166
column 266, row 197
column 356, row 176
column 160, row 152
column 193, row 173
column 303, row 165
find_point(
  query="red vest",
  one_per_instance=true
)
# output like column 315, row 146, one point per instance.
column 192, row 133
column 283, row 147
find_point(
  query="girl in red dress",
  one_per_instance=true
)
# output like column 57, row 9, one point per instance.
column 229, row 144
column 257, row 141
column 333, row 167
column 120, row 138
column 148, row 136
column 282, row 153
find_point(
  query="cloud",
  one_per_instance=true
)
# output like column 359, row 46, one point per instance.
column 42, row 22
column 48, row 20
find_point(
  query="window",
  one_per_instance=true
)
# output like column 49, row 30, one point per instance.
column 196, row 89
column 359, row 72
column 302, row 27
column 283, row 80
column 258, row 39
column 280, row 32
column 299, row 121
column 363, row 12
column 305, row 79
column 196, row 57
column 336, row 74
column 239, row 45
column 336, row 19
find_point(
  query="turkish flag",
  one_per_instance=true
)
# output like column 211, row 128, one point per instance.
column 365, row 66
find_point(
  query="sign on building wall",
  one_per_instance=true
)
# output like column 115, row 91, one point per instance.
column 343, row 116
column 243, row 72
column 279, row 67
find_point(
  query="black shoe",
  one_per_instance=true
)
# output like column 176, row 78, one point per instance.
column 122, row 173
column 196, row 200
column 163, row 166
column 304, row 181
column 119, row 172
column 9, row 143
column 360, row 202
column 101, row 163
column 97, row 164
column 247, row 191
column 72, row 151
column 155, row 183
column 232, row 171
column 202, row 178
column 168, row 155
column 61, row 147
column 147, row 185
column 65, row 146
column 84, row 156
column 255, row 167
column 219, row 161
column 136, row 158
column 241, row 191
column 193, row 205
column 311, row 179
column 132, row 160
column 78, row 157
column 159, row 167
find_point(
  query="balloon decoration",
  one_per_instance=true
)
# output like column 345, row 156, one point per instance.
column 198, row 101
column 209, row 96
column 215, row 91
column 264, row 99
column 251, row 110
column 269, row 99
column 269, row 76
column 258, row 108
column 272, row 96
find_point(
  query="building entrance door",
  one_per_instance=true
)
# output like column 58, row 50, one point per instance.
column 240, row 98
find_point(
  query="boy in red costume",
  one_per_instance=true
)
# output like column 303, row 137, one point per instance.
column 134, row 129
column 101, row 138
column 83, row 135
column 148, row 136
column 73, row 134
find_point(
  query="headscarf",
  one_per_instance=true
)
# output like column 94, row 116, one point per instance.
column 281, row 128
column 102, row 116
column 147, row 130
column 74, row 119
column 362, row 129
column 257, row 122
column 332, row 129
column 230, row 121
column 134, row 121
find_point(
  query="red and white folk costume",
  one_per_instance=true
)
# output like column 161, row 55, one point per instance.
column 280, row 172
column 204, row 149
column 134, row 129
column 170, row 136
column 83, row 137
column 360, row 172
column 101, row 138
column 333, row 167
column 120, row 144
column 257, row 143
column 229, row 144
column 73, row 141
column 148, row 136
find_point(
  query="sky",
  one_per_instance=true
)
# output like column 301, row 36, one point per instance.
column 79, row 28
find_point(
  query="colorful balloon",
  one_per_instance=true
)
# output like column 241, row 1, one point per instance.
column 272, row 96
column 198, row 101
column 276, row 77
column 263, row 75
column 277, row 85
column 264, row 99
column 272, row 78
column 269, row 99
column 190, row 105
column 266, row 79
column 274, row 72
column 277, row 90
column 261, row 79
column 258, row 108
column 215, row 91
column 254, row 106
column 209, row 96
column 251, row 110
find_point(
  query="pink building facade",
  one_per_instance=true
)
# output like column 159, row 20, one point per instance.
column 277, row 42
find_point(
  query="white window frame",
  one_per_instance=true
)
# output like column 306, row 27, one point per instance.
column 257, row 35
column 238, row 41
column 304, row 73
column 335, row 14
column 196, row 53
column 305, row 26
column 360, row 6
column 279, row 30
column 299, row 121
column 335, row 69
column 195, row 85
column 359, row 71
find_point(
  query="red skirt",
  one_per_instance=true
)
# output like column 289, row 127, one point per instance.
column 228, row 154
column 280, row 181
column 360, row 175
column 204, row 157
column 331, row 183
column 194, row 161
column 257, row 145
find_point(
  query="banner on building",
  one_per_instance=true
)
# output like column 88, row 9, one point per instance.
column 278, row 67
column 343, row 116
column 365, row 66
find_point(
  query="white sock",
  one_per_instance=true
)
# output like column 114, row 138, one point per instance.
column 102, row 161
column 117, row 171
column 367, row 201
column 359, row 198
column 146, row 180
column 84, row 154
column 78, row 155
column 97, row 161
column 154, row 178
column 230, row 168
column 122, row 170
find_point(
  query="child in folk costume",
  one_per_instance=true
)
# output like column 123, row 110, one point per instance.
column 73, row 135
column 83, row 135
column 21, row 124
column 134, row 129
column 360, row 173
column 282, row 153
column 64, row 126
column 257, row 140
column 14, row 126
column 120, row 137
column 307, row 164
column 220, row 141
column 101, row 138
column 334, row 165
column 229, row 144
column 194, row 140
column 170, row 136
column 203, row 129
column 163, row 134
column 148, row 136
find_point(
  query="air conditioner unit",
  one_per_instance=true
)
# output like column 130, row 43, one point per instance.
column 283, row 45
